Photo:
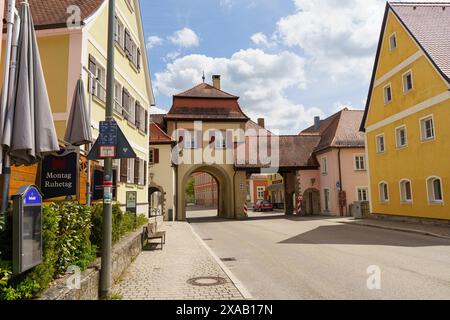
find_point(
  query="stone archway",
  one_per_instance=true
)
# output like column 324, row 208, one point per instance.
column 152, row 189
column 311, row 202
column 225, row 204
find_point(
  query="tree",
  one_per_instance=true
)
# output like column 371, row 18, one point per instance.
column 190, row 190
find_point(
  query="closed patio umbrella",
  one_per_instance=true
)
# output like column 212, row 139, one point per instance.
column 29, row 132
column 78, row 130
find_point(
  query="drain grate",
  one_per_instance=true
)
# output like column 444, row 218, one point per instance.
column 207, row 239
column 207, row 281
column 228, row 259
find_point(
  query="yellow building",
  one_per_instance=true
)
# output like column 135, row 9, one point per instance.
column 73, row 39
column 275, row 188
column 407, row 114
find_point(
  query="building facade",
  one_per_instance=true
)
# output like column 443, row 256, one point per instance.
column 72, row 41
column 258, row 188
column 408, row 111
column 205, row 190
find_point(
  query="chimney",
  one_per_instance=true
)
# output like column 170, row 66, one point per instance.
column 216, row 81
column 261, row 122
column 316, row 123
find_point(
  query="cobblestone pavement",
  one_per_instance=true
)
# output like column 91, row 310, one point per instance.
column 164, row 274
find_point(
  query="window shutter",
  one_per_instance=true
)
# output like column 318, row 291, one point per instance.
column 145, row 173
column 137, row 120
column 125, row 104
column 199, row 139
column 138, row 62
column 146, row 121
column 127, row 42
column 156, row 156
column 92, row 68
column 136, row 171
column 123, row 170
column 229, row 139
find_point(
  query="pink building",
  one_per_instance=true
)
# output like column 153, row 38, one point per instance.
column 342, row 175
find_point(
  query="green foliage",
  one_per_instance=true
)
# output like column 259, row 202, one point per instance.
column 24, row 290
column 122, row 223
column 4, row 276
column 190, row 189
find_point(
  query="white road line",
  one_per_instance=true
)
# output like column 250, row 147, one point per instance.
column 238, row 284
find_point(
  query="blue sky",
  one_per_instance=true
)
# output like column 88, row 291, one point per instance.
column 288, row 60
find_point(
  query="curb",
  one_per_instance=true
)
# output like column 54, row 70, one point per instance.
column 238, row 284
column 427, row 233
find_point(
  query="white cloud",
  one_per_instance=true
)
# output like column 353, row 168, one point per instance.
column 259, row 78
column 185, row 38
column 153, row 41
column 157, row 110
column 260, row 39
column 226, row 3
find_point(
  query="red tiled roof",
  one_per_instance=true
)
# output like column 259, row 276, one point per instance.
column 158, row 136
column 429, row 23
column 204, row 102
column 53, row 13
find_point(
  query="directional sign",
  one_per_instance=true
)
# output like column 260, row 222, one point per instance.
column 111, row 136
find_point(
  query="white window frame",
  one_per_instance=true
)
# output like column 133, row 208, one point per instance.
column 326, row 199
column 406, row 90
column 118, row 100
column 393, row 35
column 359, row 189
column 100, row 82
column 430, row 190
column 141, row 179
column 403, row 199
column 386, row 102
column 132, row 110
column 356, row 161
column 324, row 165
column 378, row 145
column 220, row 141
column 383, row 197
column 119, row 30
column 260, row 190
column 423, row 129
column 397, row 137
column 130, row 171
column 190, row 143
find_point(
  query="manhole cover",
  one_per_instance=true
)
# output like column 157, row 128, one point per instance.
column 207, row 281
column 228, row 259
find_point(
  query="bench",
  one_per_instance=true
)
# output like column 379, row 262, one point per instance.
column 150, row 235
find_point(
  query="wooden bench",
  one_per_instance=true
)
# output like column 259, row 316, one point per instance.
column 150, row 235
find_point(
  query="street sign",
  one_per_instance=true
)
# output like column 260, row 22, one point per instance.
column 107, row 152
column 108, row 133
column 338, row 184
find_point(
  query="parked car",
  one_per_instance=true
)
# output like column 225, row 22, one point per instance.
column 262, row 205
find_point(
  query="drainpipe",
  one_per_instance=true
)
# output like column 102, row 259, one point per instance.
column 234, row 194
column 341, row 208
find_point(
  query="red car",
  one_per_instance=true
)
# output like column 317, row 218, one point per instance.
column 262, row 205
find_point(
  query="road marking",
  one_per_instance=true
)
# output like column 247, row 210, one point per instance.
column 238, row 284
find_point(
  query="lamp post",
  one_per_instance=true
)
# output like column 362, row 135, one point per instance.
column 105, row 273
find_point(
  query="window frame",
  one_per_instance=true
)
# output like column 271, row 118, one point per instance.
column 403, row 192
column 222, row 135
column 193, row 138
column 398, row 139
column 130, row 171
column 393, row 36
column 422, row 127
column 404, row 75
column 326, row 199
column 324, row 166
column 366, row 189
column 259, row 190
column 381, row 135
column 386, row 102
column 382, row 192
column 356, row 162
column 431, row 191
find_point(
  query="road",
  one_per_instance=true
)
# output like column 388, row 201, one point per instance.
column 279, row 257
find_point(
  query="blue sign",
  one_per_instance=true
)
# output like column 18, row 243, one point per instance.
column 32, row 197
column 108, row 133
column 338, row 184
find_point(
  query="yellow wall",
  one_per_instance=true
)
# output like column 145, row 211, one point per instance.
column 418, row 160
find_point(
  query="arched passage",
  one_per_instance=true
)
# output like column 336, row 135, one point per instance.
column 311, row 202
column 157, row 200
column 225, row 202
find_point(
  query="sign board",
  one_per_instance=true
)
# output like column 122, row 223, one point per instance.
column 111, row 136
column 27, row 229
column 98, row 188
column 131, row 203
column 59, row 175
column 338, row 184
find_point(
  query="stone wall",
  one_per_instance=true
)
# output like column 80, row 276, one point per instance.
column 123, row 255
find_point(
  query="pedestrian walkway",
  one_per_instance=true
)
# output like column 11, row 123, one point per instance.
column 413, row 227
column 184, row 270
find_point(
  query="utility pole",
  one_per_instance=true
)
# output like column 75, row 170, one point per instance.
column 105, row 273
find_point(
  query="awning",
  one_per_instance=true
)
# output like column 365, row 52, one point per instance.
column 275, row 187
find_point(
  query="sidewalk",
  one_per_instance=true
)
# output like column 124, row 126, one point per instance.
column 431, row 230
column 170, row 274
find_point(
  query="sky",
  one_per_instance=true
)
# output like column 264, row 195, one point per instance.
column 287, row 60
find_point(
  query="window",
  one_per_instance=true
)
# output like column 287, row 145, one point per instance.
column 118, row 97
column 407, row 82
column 132, row 109
column 393, row 42
column 220, row 140
column 360, row 163
column 380, row 144
column 97, row 87
column 384, row 192
column 434, row 188
column 154, row 156
column 387, row 94
column 324, row 166
column 326, row 199
column 141, row 176
column 189, row 140
column 119, row 33
column 260, row 191
column 427, row 128
column 400, row 137
column 405, row 191
column 363, row 194
column 130, row 170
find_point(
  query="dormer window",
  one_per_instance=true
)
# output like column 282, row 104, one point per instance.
column 393, row 42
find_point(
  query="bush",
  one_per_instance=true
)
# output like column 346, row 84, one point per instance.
column 122, row 223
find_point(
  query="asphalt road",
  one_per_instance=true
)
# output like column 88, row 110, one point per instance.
column 276, row 257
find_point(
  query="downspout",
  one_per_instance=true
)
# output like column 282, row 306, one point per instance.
column 341, row 208
column 234, row 194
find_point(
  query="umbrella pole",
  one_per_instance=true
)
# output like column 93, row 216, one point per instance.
column 6, row 170
column 88, row 181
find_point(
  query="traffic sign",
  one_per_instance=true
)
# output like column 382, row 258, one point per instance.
column 108, row 133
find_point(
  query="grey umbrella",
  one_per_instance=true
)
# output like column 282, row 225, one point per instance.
column 29, row 131
column 78, row 130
